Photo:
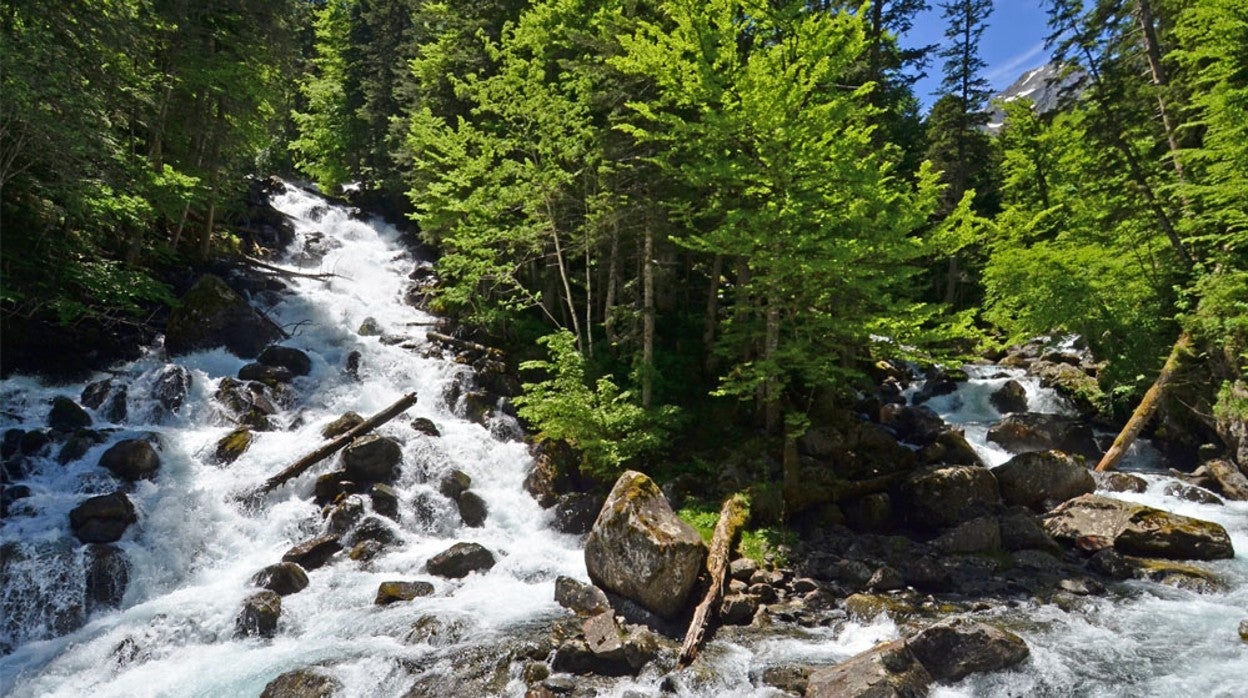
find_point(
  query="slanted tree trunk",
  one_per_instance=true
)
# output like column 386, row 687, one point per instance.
column 1147, row 407
column 732, row 516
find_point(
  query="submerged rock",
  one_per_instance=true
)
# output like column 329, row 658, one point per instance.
column 302, row 683
column 1042, row 479
column 390, row 592
column 373, row 458
column 210, row 315
column 66, row 415
column 1137, row 529
column 259, row 615
column 102, row 519
column 641, row 550
column 954, row 648
column 131, row 460
column 285, row 578
column 460, row 560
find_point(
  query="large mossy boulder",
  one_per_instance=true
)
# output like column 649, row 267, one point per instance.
column 211, row 315
column 639, row 549
column 1024, row 432
column 373, row 458
column 946, row 496
column 102, row 519
column 956, row 647
column 1041, row 480
column 1095, row 521
column 259, row 616
column 131, row 460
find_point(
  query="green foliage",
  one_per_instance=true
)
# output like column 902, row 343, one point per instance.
column 599, row 420
column 767, row 545
column 703, row 517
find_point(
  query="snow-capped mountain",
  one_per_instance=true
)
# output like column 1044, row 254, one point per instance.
column 1043, row 86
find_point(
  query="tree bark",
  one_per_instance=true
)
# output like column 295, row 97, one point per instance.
column 1152, row 49
column 333, row 446
column 647, row 331
column 464, row 345
column 712, row 312
column 1146, row 409
column 732, row 516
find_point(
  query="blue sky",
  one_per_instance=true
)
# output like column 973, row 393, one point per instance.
column 1012, row 44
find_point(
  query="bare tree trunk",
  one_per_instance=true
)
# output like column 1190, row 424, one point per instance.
column 205, row 238
column 647, row 331
column 732, row 516
column 712, row 312
column 589, row 300
column 613, row 274
column 771, row 387
column 1147, row 407
column 563, row 276
column 1148, row 33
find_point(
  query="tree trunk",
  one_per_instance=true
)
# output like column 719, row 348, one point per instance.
column 1148, row 34
column 1146, row 409
column 732, row 516
column 647, row 329
column 771, row 385
column 205, row 238
column 567, row 285
column 712, row 313
column 613, row 273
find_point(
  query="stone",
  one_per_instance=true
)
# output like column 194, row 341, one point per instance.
column 870, row 514
column 576, row 512
column 1243, row 630
column 385, row 500
column 1114, row 481
column 373, row 528
column 885, row 578
column 1041, row 480
column 981, row 535
column 454, row 483
column 641, row 550
column 575, row 657
column 345, row 514
column 330, row 486
column 435, row 631
column 210, row 315
column 1140, row 530
column 580, row 598
column 425, row 426
column 284, row 578
column 66, row 415
column 340, row 426
column 916, row 424
column 1231, row 481
column 108, row 575
column 373, row 458
column 737, row 609
column 867, row 607
column 265, row 374
column 950, row 448
column 102, row 519
column 1191, row 493
column 1022, row 432
column 946, row 496
column 957, row 647
column 792, row 678
column 314, row 553
column 77, row 445
column 889, row 670
column 472, row 509
column 293, row 360
column 365, row 550
column 390, row 592
column 131, row 460
column 233, row 445
column 460, row 560
column 742, row 568
column 1010, row 397
column 1021, row 530
column 302, row 683
column 603, row 636
column 259, row 615
column 171, row 386
column 369, row 328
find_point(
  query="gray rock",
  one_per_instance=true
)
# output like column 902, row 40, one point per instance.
column 1191, row 493
column 385, row 500
column 742, row 568
column 979, row 535
column 472, row 509
column 889, row 670
column 340, row 426
column 885, row 578
column 950, row 448
column 454, row 483
column 171, row 387
column 102, row 519
column 576, row 512
column 1231, row 481
column 302, row 683
column 1023, row 432
column 66, row 415
column 946, row 496
column 289, row 358
column 1011, row 397
column 265, row 374
column 77, row 445
column 108, row 575
column 1136, row 529
column 460, row 560
column 436, row 631
column 737, row 609
column 373, row 458
column 376, row 529
column 259, row 615
column 954, row 648
column 284, row 578
column 1040, row 480
column 210, row 315
column 131, row 460
column 640, row 549
column 582, row 599
column 313, row 553
column 390, row 592
column 792, row 678
column 1022, row 531
column 1114, row 481
column 345, row 514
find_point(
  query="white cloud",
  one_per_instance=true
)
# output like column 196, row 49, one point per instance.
column 1010, row 69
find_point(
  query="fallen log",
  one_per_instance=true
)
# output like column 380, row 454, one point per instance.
column 463, row 344
column 253, row 262
column 1147, row 407
column 732, row 516
column 334, row 445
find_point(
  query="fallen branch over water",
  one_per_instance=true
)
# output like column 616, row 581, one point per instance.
column 1147, row 407
column 253, row 262
column 732, row 516
column 337, row 443
column 463, row 344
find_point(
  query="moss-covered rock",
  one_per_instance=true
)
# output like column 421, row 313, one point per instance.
column 233, row 445
column 210, row 315
column 1136, row 529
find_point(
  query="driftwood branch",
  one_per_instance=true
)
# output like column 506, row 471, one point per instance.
column 1146, row 409
column 463, row 344
column 732, row 517
column 253, row 262
column 334, row 445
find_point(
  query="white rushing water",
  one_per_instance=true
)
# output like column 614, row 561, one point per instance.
column 195, row 548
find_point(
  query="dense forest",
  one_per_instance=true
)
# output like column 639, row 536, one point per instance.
column 687, row 218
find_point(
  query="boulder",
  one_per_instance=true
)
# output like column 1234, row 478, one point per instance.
column 233, row 445
column 1231, row 481
column 289, row 358
column 950, row 448
column 1114, row 481
column 472, row 509
column 1136, row 529
column 210, row 315
column 737, row 609
column 575, row 512
column 954, row 648
column 131, row 460
column 1011, row 397
column 454, row 483
column 916, row 424
column 259, row 615
column 302, row 683
column 425, row 426
column 390, row 592
column 285, row 578
column 328, row 487
column 313, row 553
column 66, row 415
column 262, row 373
column 641, row 550
column 1021, row 531
column 1033, row 431
column 946, row 496
column 385, row 501
column 170, row 388
column 460, row 560
column 373, row 458
column 870, row 514
column 340, row 426
column 108, row 575
column 1191, row 493
column 437, row 631
column 375, row 529
column 981, row 535
column 889, row 670
column 102, row 519
column 345, row 514
column 580, row 598
column 1041, row 480
column 77, row 445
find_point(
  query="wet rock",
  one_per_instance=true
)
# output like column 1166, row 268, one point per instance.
column 108, row 575
column 331, row 485
column 950, row 448
column 792, row 678
column 211, row 314
column 1023, row 432
column 102, row 519
column 314, row 553
column 284, row 578
column 34, row 441
column 1042, row 479
column 1070, row 381
column 912, row 424
column 640, row 549
column 345, row 514
column 233, row 445
column 460, row 560
column 268, row 375
column 936, row 385
column 373, row 528
column 737, row 609
column 580, row 598
column 1115, row 565
column 435, row 631
column 385, row 501
column 10, row 494
column 259, row 615
column 373, row 458
column 1011, row 397
column 365, row 550
column 981, row 535
column 472, row 509
column 888, row 670
column 171, row 387
column 576, row 512
column 1022, row 531
column 1114, row 481
column 342, row 425
column 77, row 445
column 867, row 607
column 352, row 367
column 390, row 592
column 945, row 496
column 1243, row 630
column 1137, row 529
column 1191, row 493
column 957, row 647
column 575, row 657
column 425, row 426
column 1231, row 481
column 454, row 483
column 66, row 415
column 131, row 460
column 289, row 358
column 1081, row 586
column 303, row 683
column 369, row 328
column 246, row 404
